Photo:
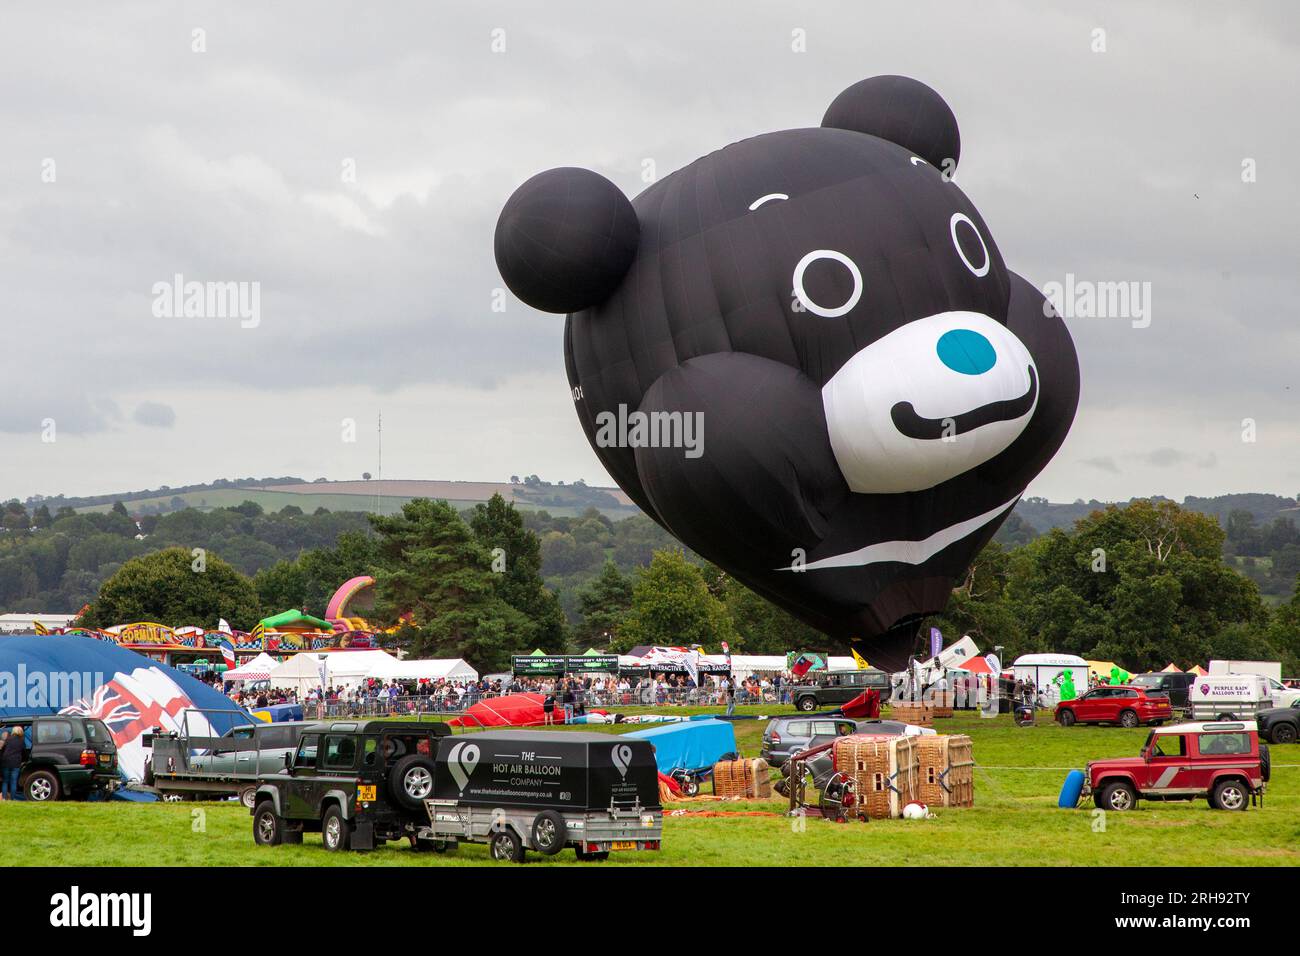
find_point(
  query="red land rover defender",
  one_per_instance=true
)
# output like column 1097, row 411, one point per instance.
column 1224, row 762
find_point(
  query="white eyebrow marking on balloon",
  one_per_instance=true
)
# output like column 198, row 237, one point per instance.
column 762, row 199
column 917, row 161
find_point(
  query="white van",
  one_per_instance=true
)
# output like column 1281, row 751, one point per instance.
column 1282, row 695
column 1234, row 697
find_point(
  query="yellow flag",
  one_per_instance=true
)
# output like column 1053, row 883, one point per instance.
column 861, row 661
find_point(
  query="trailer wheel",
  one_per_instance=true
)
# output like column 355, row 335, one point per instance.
column 268, row 828
column 1265, row 762
column 550, row 833
column 506, row 846
column 248, row 797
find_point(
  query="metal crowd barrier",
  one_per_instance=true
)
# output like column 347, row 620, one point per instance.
column 420, row 705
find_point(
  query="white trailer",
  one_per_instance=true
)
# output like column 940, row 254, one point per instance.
column 1271, row 671
column 1232, row 697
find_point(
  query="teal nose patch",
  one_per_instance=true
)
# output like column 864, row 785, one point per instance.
column 966, row 351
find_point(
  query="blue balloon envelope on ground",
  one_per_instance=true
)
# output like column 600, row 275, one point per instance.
column 690, row 745
column 129, row 692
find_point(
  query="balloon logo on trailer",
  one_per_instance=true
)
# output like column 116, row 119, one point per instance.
column 461, row 761
column 876, row 388
column 622, row 759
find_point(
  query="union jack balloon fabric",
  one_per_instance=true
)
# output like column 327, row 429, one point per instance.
column 129, row 692
column 804, row 356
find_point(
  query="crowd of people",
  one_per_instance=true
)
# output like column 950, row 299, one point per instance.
column 572, row 695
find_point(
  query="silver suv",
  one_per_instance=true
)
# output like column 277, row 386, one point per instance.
column 785, row 736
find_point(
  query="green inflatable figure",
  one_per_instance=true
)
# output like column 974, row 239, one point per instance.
column 1119, row 676
column 1065, row 680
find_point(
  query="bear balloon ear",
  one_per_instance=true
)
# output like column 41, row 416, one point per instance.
column 902, row 110
column 565, row 239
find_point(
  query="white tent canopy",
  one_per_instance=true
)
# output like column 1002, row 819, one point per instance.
column 342, row 669
column 1042, row 670
column 744, row 666
column 259, row 668
column 453, row 669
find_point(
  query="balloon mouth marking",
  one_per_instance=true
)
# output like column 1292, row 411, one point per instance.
column 912, row 425
column 906, row 552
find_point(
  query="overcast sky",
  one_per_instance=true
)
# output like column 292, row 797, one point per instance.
column 127, row 157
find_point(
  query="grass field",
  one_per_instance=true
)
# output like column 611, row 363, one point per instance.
column 1015, row 822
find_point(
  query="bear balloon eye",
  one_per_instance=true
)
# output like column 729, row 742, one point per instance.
column 827, row 312
column 768, row 198
column 918, row 161
column 956, row 220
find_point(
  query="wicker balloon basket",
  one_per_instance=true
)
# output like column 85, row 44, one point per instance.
column 945, row 771
column 883, row 769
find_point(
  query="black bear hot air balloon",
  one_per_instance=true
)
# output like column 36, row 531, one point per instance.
column 804, row 356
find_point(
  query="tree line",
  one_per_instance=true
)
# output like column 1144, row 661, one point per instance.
column 1144, row 583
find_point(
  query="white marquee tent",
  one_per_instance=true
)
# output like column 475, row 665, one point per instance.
column 342, row 669
column 744, row 666
column 259, row 668
column 1042, row 670
column 436, row 669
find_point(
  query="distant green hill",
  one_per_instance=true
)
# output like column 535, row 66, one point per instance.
column 387, row 496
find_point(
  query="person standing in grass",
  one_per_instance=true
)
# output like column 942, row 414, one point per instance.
column 11, row 760
column 568, row 698
column 731, row 695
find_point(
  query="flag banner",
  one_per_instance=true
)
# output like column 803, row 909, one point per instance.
column 801, row 664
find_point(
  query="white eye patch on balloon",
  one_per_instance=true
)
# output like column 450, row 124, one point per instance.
column 929, row 401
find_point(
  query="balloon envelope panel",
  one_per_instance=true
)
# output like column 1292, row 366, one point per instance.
column 131, row 693
column 842, row 388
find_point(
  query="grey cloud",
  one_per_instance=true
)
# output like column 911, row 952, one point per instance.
column 1103, row 463
column 154, row 415
column 227, row 166
column 1164, row 457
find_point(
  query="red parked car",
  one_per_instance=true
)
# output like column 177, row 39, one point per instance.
column 1123, row 705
